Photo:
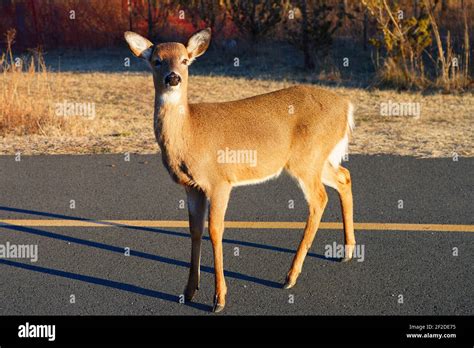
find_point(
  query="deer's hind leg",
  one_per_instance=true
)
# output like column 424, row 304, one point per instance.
column 317, row 198
column 340, row 179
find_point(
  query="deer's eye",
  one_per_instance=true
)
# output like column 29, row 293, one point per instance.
column 185, row 61
column 157, row 63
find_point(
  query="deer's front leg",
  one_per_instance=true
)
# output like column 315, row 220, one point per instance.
column 218, row 206
column 197, row 213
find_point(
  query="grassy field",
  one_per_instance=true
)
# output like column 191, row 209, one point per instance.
column 123, row 104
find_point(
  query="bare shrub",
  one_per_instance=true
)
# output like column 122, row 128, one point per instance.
column 403, row 40
column 255, row 18
column 405, row 45
column 311, row 29
column 452, row 69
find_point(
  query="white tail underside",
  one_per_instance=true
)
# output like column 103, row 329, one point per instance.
column 342, row 147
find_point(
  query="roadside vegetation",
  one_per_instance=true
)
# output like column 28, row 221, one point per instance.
column 376, row 52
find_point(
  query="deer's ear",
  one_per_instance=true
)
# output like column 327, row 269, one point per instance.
column 198, row 43
column 140, row 47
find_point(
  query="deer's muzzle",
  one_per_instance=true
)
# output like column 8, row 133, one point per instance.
column 172, row 79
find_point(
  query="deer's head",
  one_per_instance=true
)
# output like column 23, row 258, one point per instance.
column 169, row 61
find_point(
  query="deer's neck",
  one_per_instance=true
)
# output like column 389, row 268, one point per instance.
column 171, row 122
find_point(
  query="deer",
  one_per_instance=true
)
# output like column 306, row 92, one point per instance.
column 302, row 130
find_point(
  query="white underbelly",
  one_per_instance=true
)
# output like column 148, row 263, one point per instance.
column 257, row 180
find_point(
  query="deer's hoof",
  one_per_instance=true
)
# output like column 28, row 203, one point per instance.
column 349, row 251
column 289, row 283
column 346, row 259
column 189, row 294
column 218, row 307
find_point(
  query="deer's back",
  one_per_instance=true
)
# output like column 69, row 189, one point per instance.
column 275, row 117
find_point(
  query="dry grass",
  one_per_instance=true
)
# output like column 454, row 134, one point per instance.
column 124, row 109
column 26, row 98
column 27, row 106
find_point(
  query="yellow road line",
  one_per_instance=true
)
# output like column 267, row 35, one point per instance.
column 373, row 226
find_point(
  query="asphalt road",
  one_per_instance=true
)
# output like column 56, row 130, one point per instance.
column 89, row 262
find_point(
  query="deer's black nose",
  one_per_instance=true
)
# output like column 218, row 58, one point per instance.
column 173, row 79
